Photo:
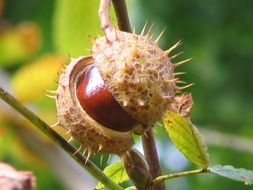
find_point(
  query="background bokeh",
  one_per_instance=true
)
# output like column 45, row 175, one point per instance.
column 37, row 38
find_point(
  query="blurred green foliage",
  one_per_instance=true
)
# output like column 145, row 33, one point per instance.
column 217, row 34
column 73, row 24
column 14, row 152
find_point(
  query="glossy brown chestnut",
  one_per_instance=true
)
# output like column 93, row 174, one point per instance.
column 99, row 103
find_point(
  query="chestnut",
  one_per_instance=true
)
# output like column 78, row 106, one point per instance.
column 124, row 87
column 99, row 103
column 72, row 100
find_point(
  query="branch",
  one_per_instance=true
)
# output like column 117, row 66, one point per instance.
column 180, row 174
column 148, row 140
column 122, row 15
column 40, row 124
column 14, row 179
column 104, row 15
column 151, row 155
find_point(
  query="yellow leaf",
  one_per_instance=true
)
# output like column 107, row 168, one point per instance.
column 32, row 80
column 186, row 137
column 19, row 43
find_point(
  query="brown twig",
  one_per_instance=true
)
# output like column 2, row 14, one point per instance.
column 14, row 179
column 148, row 140
column 151, row 155
column 122, row 15
column 1, row 7
column 104, row 14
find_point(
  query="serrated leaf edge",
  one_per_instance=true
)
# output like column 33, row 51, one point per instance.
column 201, row 145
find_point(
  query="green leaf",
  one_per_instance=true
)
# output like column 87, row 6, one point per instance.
column 237, row 174
column 116, row 172
column 73, row 22
column 186, row 137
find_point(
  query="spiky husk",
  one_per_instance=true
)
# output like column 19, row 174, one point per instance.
column 138, row 74
column 91, row 134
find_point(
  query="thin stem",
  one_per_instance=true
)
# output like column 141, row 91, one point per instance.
column 104, row 14
column 151, row 155
column 122, row 15
column 40, row 124
column 180, row 174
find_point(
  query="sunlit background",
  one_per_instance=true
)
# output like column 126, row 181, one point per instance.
column 37, row 37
